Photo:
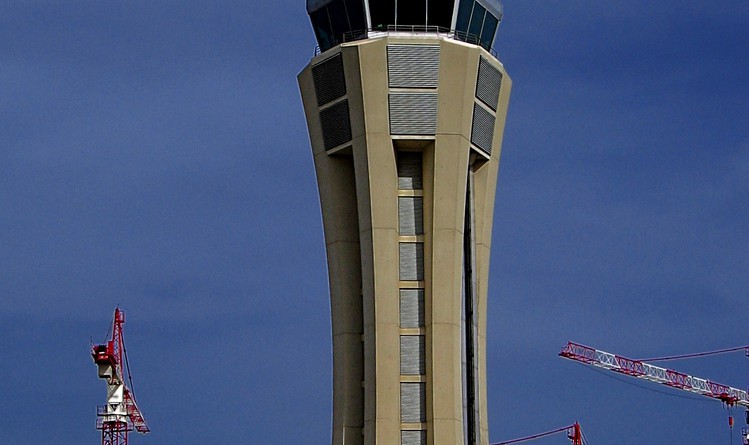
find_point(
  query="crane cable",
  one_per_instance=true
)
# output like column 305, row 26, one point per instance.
column 697, row 354
column 535, row 436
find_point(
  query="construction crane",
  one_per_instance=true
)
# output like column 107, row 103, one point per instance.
column 646, row 371
column 574, row 434
column 120, row 414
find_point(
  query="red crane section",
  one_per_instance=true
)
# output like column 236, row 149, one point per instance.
column 637, row 368
column 120, row 414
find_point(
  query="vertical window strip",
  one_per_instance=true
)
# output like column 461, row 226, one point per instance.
column 409, row 170
column 413, row 402
column 411, row 308
column 411, row 261
column 413, row 437
column 410, row 215
column 413, row 355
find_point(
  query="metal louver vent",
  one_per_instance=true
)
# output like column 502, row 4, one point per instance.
column 482, row 130
column 411, row 261
column 412, row 355
column 409, row 170
column 336, row 125
column 330, row 83
column 413, row 402
column 411, row 215
column 488, row 84
column 413, row 66
column 413, row 113
column 411, row 308
column 413, row 438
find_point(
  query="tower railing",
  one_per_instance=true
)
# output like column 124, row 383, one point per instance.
column 362, row 34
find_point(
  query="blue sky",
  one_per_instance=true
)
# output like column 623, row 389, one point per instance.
column 154, row 154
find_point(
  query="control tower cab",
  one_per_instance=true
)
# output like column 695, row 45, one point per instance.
column 339, row 21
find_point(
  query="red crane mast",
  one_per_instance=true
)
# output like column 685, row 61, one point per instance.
column 120, row 414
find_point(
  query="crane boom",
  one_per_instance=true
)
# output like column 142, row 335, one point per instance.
column 637, row 368
column 574, row 434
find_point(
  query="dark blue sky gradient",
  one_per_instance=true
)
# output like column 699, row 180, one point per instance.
column 154, row 154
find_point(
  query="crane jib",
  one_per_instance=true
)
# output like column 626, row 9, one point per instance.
column 639, row 369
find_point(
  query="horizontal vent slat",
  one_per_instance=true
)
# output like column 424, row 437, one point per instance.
column 413, row 113
column 413, row 66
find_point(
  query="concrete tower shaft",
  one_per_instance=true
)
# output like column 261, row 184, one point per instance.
column 406, row 131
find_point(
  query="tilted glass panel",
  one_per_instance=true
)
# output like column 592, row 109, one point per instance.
column 356, row 15
column 339, row 20
column 487, row 33
column 323, row 29
column 440, row 13
column 382, row 13
column 477, row 21
column 412, row 12
column 464, row 15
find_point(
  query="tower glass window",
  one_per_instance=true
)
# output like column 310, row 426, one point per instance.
column 478, row 20
column 338, row 21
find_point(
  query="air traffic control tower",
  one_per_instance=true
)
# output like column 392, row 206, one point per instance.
column 406, row 103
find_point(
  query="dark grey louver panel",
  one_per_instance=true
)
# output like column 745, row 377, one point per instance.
column 413, row 402
column 411, row 215
column 336, row 125
column 412, row 355
column 413, row 438
column 412, row 308
column 488, row 84
column 413, row 113
column 411, row 261
column 482, row 130
column 409, row 170
column 413, row 66
column 330, row 83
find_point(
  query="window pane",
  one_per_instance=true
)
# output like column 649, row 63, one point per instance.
column 339, row 20
column 440, row 13
column 477, row 20
column 323, row 31
column 487, row 34
column 383, row 13
column 355, row 9
column 464, row 15
column 412, row 12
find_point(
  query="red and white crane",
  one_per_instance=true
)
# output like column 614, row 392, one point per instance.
column 120, row 414
column 637, row 368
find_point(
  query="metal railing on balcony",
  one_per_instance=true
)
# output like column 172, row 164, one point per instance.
column 362, row 34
